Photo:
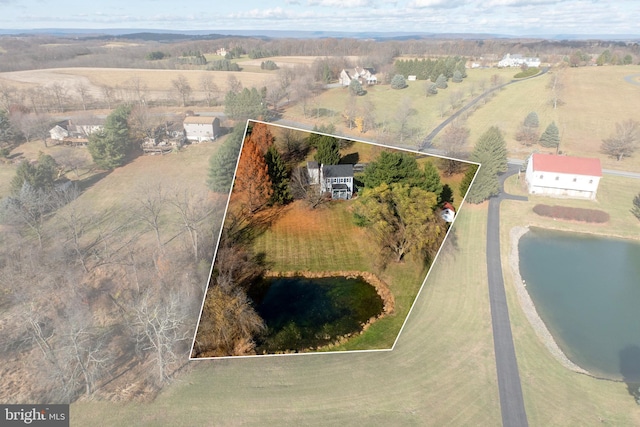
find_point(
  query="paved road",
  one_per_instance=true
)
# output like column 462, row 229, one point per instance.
column 510, row 390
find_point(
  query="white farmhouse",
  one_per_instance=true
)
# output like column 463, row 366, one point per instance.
column 336, row 180
column 563, row 176
column 517, row 61
column 201, row 128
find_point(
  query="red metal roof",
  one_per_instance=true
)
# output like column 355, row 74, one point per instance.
column 566, row 164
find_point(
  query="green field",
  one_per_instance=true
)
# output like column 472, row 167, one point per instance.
column 435, row 375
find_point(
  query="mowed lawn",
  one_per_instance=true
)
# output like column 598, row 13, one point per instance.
column 442, row 371
column 321, row 239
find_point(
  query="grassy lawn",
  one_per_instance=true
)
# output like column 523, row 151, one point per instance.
column 442, row 371
column 553, row 394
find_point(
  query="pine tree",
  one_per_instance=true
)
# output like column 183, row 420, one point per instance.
column 355, row 88
column 532, row 120
column 222, row 163
column 441, row 82
column 467, row 179
column 491, row 152
column 111, row 145
column 398, row 82
column 457, row 77
column 432, row 181
column 550, row 138
column 328, row 152
column 278, row 176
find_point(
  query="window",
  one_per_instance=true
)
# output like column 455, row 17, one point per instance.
column 575, row 179
column 541, row 176
column 557, row 178
column 590, row 181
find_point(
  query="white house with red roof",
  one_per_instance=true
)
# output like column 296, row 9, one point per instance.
column 563, row 176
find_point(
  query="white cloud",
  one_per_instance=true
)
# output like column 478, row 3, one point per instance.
column 436, row 4
column 341, row 3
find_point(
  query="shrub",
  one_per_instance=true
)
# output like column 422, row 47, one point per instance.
column 572, row 214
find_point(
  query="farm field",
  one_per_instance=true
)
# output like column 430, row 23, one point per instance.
column 594, row 99
column 436, row 374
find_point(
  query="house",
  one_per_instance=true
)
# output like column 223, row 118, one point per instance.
column 79, row 128
column 201, row 128
column 563, row 176
column 363, row 75
column 221, row 52
column 517, row 61
column 336, row 180
column 60, row 131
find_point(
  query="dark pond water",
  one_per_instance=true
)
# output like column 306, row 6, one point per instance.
column 305, row 313
column 587, row 291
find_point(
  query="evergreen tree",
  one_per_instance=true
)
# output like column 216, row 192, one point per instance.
column 328, row 152
column 279, row 177
column 40, row 176
column 457, row 77
column 392, row 167
column 550, row 138
column 432, row 89
column 441, row 82
column 432, row 181
column 532, row 120
column 398, row 82
column 111, row 145
column 222, row 163
column 7, row 134
column 467, row 179
column 247, row 104
column 355, row 88
column 491, row 152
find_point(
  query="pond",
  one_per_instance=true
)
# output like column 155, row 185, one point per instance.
column 587, row 291
column 303, row 314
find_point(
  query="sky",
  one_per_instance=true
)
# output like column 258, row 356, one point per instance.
column 507, row 17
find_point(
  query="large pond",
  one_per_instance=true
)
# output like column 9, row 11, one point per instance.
column 303, row 314
column 587, row 291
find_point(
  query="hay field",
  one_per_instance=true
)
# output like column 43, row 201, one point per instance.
column 442, row 371
column 594, row 99
column 157, row 82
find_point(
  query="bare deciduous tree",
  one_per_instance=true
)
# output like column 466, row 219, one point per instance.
column 151, row 202
column 108, row 95
column 60, row 95
column 210, row 89
column 84, row 93
column 624, row 142
column 193, row 210
column 182, row 89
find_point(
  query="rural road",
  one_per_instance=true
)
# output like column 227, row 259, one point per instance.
column 426, row 143
column 509, row 387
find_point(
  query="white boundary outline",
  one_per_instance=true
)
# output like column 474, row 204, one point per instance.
column 415, row 299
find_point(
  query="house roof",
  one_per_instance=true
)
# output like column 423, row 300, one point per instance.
column 202, row 120
column 566, row 164
column 337, row 171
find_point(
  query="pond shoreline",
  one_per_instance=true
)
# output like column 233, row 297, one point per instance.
column 381, row 287
column 529, row 308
